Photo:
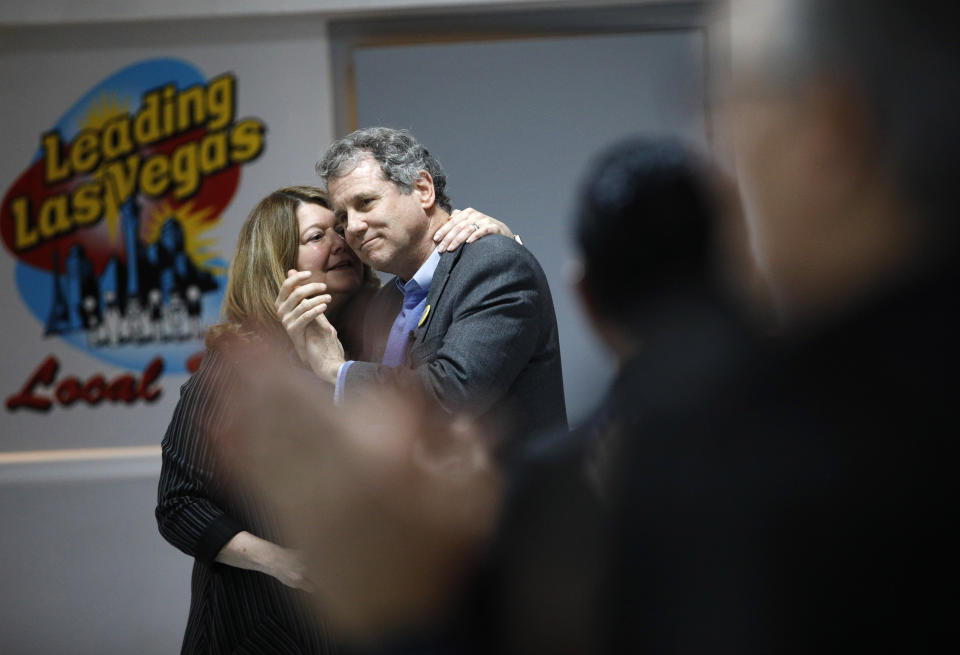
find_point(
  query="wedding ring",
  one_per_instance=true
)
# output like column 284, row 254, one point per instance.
column 475, row 227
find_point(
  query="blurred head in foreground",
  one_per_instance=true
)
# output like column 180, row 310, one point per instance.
column 644, row 229
column 843, row 117
column 795, row 507
column 387, row 499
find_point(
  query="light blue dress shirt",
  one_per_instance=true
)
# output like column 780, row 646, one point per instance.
column 415, row 293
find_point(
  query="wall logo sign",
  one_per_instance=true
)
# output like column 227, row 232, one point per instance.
column 108, row 222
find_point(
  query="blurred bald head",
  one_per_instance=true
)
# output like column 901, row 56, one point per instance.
column 843, row 117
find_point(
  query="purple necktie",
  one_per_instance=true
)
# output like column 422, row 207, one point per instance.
column 414, row 302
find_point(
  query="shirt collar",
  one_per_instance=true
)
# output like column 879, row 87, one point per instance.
column 422, row 278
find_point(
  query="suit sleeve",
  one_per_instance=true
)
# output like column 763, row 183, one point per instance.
column 499, row 293
column 187, row 514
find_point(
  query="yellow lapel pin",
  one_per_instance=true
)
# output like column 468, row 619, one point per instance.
column 424, row 317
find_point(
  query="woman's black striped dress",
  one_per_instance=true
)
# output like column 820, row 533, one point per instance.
column 232, row 610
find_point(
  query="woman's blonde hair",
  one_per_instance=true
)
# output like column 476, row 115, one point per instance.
column 266, row 249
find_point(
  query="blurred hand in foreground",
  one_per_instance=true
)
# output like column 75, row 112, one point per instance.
column 389, row 499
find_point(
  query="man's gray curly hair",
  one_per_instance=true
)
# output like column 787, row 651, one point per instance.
column 400, row 156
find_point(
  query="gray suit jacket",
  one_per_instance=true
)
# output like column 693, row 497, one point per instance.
column 487, row 347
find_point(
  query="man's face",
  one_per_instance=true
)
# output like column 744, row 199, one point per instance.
column 782, row 156
column 385, row 226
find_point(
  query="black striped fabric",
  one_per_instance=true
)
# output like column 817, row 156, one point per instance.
column 231, row 610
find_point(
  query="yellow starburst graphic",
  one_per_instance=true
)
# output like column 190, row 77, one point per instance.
column 104, row 109
column 193, row 224
column 99, row 113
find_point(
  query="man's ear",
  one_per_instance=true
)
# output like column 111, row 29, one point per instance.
column 617, row 340
column 423, row 188
column 587, row 300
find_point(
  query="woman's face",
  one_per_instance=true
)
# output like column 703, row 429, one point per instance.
column 324, row 253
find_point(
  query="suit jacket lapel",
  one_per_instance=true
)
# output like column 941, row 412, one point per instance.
column 437, row 285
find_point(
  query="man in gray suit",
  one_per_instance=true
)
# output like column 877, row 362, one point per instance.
column 473, row 329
